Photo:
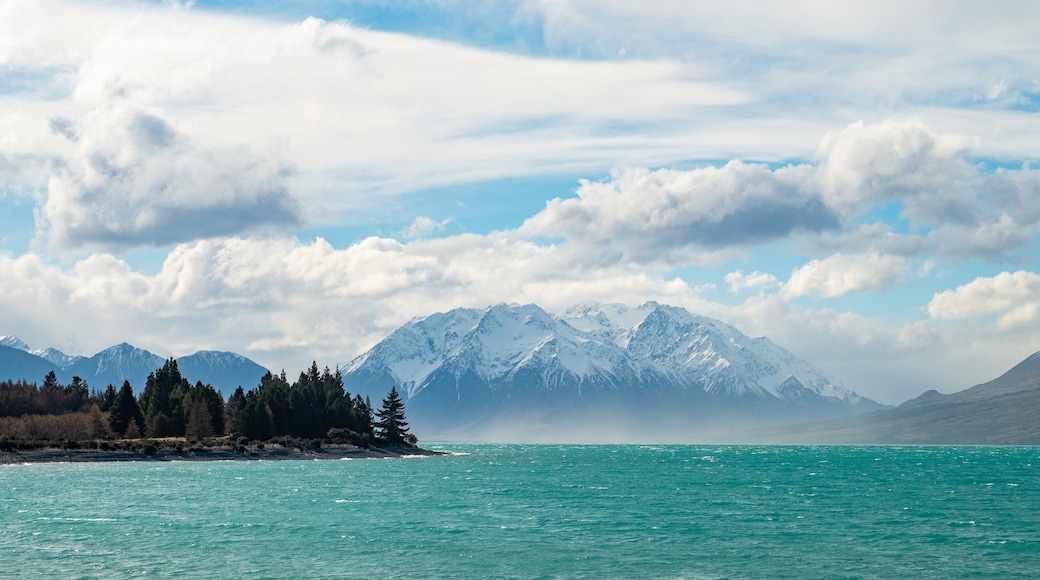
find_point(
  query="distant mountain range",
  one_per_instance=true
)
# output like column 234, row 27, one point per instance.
column 600, row 372
column 225, row 371
column 1004, row 411
column 595, row 372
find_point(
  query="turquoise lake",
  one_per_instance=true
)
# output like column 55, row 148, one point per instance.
column 536, row 511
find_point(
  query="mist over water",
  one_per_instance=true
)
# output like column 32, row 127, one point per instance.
column 527, row 511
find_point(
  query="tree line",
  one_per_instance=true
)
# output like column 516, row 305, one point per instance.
column 315, row 406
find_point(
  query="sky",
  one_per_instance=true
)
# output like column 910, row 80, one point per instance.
column 293, row 181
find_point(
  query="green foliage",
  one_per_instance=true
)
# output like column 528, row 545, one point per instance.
column 307, row 409
column 158, row 399
column 391, row 426
column 124, row 411
column 172, row 406
column 313, row 409
column 108, row 398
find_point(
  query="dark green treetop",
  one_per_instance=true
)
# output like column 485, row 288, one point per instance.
column 391, row 425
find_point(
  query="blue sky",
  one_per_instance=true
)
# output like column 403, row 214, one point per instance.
column 291, row 181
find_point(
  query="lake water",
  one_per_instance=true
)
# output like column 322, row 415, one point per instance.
column 536, row 511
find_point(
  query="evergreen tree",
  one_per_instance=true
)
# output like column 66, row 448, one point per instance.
column 78, row 388
column 391, row 426
column 233, row 411
column 125, row 411
column 160, row 398
column 51, row 381
column 363, row 408
column 108, row 398
column 255, row 419
column 198, row 421
column 272, row 402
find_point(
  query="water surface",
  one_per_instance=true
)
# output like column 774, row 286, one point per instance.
column 537, row 511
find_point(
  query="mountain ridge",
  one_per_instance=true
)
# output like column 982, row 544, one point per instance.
column 225, row 371
column 470, row 366
column 1002, row 411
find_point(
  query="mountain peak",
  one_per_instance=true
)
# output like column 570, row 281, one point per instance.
column 14, row 342
column 505, row 356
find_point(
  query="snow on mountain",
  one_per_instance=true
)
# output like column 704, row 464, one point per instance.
column 112, row 366
column 124, row 362
column 653, row 342
column 470, row 364
column 13, row 342
column 56, row 357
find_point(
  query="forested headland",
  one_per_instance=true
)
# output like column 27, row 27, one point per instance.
column 310, row 413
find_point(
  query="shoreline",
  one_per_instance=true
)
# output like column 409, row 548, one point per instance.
column 264, row 452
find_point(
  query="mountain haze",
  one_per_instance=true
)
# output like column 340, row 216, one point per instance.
column 1004, row 411
column 19, row 364
column 594, row 372
column 225, row 371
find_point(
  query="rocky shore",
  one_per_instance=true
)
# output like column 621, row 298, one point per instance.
column 181, row 451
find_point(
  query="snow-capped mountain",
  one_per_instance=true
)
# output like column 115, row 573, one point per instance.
column 56, row 357
column 472, row 367
column 124, row 362
column 115, row 364
column 13, row 342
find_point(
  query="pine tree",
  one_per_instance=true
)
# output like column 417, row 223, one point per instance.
column 125, row 412
column 51, row 381
column 391, row 426
column 160, row 398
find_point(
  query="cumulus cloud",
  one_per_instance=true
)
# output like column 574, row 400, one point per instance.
column 842, row 274
column 1017, row 192
column 133, row 180
column 995, row 240
column 897, row 160
column 891, row 361
column 1014, row 297
column 739, row 281
column 423, row 226
column 642, row 213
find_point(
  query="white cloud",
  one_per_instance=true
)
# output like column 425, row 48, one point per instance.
column 359, row 111
column 1013, row 296
column 133, row 180
column 640, row 214
column 423, row 226
column 356, row 111
column 897, row 160
column 739, row 281
column 955, row 212
column 994, row 239
column 890, row 361
column 842, row 274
